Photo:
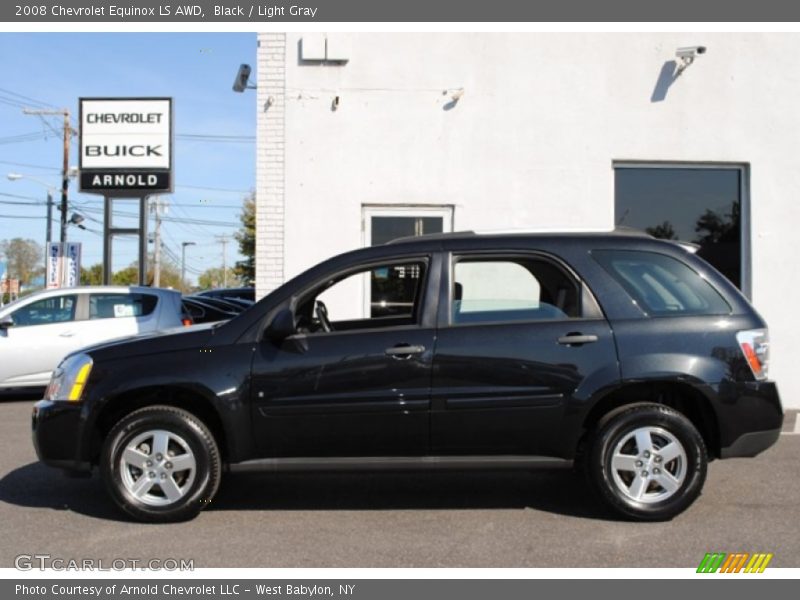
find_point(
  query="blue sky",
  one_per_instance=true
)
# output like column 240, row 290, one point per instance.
column 196, row 69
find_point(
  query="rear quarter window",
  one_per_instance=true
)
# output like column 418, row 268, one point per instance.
column 116, row 306
column 662, row 285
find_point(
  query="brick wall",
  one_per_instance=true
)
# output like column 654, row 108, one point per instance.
column 271, row 98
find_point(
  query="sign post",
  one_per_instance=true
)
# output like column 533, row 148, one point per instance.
column 63, row 265
column 53, row 277
column 126, row 152
column 72, row 264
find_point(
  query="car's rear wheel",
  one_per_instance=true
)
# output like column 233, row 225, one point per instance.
column 161, row 464
column 647, row 461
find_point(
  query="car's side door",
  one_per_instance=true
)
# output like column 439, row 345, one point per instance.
column 518, row 335
column 43, row 332
column 354, row 379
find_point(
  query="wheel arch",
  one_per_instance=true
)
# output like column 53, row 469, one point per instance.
column 690, row 400
column 187, row 398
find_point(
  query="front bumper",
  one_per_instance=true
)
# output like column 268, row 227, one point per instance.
column 750, row 418
column 57, row 433
column 751, row 444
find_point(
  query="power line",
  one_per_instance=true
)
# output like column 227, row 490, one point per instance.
column 168, row 235
column 26, row 137
column 49, row 125
column 27, row 98
column 28, row 165
column 215, row 137
column 224, row 240
column 204, row 222
column 24, row 203
column 214, row 189
column 7, row 195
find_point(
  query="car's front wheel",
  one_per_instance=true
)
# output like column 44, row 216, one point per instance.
column 161, row 464
column 647, row 461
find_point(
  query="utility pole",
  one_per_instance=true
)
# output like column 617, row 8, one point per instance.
column 65, row 166
column 157, row 241
column 224, row 240
column 64, row 183
column 183, row 262
column 49, row 234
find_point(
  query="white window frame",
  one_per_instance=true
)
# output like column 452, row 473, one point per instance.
column 744, row 187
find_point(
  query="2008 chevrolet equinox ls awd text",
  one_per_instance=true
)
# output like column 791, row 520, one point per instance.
column 627, row 355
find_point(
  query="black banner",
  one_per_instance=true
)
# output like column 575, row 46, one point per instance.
column 465, row 11
column 98, row 182
column 730, row 587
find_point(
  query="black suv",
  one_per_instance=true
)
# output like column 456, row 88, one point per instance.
column 627, row 355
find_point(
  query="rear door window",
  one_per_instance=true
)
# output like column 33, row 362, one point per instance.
column 116, row 306
column 662, row 285
column 489, row 290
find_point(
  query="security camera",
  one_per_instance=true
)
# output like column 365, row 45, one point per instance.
column 686, row 55
column 690, row 52
column 242, row 76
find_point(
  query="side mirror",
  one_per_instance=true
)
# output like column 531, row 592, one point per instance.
column 6, row 322
column 282, row 326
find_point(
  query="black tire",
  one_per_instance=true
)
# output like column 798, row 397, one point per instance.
column 189, row 437
column 618, row 488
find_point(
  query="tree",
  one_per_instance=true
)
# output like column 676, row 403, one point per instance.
column 213, row 278
column 93, row 275
column 665, row 231
column 127, row 276
column 24, row 258
column 245, row 270
column 719, row 236
column 713, row 228
column 170, row 275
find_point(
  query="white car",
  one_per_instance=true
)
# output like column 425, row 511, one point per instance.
column 37, row 331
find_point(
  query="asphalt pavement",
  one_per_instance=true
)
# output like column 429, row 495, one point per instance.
column 505, row 519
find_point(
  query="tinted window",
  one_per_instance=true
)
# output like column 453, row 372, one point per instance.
column 394, row 294
column 116, row 306
column 387, row 228
column 512, row 289
column 662, row 285
column 58, row 309
column 698, row 205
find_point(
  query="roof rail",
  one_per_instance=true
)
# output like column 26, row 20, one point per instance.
column 471, row 233
column 432, row 236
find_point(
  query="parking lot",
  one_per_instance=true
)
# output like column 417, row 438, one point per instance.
column 510, row 519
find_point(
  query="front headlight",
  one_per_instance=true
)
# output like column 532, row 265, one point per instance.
column 69, row 379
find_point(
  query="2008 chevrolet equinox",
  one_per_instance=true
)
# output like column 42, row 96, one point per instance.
column 628, row 355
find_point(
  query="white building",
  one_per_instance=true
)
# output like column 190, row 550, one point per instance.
column 364, row 137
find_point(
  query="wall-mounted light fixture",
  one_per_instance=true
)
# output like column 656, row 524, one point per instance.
column 240, row 84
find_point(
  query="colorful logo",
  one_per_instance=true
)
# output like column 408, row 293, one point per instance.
column 737, row 562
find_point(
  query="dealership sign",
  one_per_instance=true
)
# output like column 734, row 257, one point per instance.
column 126, row 145
column 63, row 268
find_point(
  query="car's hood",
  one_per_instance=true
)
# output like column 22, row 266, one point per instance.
column 170, row 340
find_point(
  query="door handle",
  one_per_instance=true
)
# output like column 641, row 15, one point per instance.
column 404, row 351
column 576, row 339
column 66, row 334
